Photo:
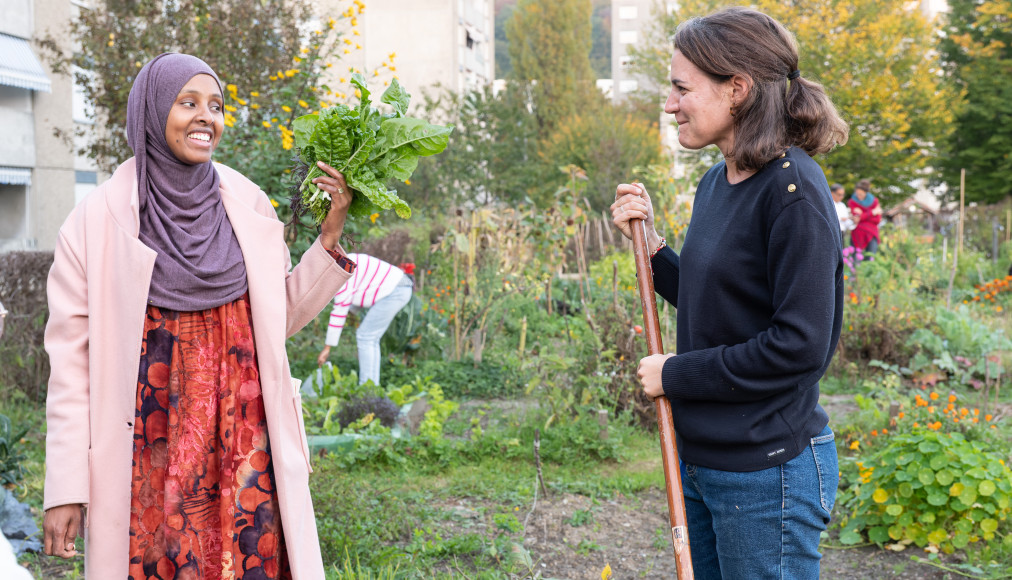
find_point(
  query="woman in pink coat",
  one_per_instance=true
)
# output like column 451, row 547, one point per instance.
column 174, row 439
column 868, row 214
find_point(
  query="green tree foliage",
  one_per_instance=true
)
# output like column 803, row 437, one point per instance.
column 877, row 61
column 244, row 42
column 977, row 51
column 549, row 46
column 608, row 142
column 493, row 151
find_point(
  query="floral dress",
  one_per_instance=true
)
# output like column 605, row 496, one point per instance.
column 204, row 502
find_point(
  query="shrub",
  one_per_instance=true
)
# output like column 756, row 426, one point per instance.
column 935, row 476
column 23, row 361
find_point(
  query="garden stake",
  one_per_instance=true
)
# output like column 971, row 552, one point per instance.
column 665, row 423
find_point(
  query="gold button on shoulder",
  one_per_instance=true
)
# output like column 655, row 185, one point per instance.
column 791, row 188
column 787, row 164
column 782, row 155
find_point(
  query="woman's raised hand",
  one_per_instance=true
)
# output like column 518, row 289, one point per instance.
column 340, row 200
column 632, row 202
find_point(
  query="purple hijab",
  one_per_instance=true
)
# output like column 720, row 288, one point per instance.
column 199, row 264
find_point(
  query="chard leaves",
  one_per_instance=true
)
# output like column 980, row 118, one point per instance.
column 368, row 147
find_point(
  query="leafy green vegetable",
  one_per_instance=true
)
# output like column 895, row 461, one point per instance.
column 368, row 147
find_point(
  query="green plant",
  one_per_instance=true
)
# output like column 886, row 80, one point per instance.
column 962, row 347
column 333, row 389
column 926, row 487
column 352, row 569
column 368, row 147
column 12, row 455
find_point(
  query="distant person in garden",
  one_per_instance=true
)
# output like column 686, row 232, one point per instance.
column 382, row 288
column 842, row 211
column 760, row 304
column 868, row 213
column 171, row 415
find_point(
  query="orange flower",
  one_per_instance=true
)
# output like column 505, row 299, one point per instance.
column 931, row 409
column 976, row 420
column 964, row 412
column 916, row 424
column 933, row 396
column 976, row 412
column 885, row 431
column 901, row 415
column 874, row 433
column 952, row 398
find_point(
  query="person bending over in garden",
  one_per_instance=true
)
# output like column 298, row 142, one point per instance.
column 171, row 415
column 382, row 288
column 868, row 214
column 759, row 289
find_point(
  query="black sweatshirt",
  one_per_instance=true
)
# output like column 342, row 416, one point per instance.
column 759, row 291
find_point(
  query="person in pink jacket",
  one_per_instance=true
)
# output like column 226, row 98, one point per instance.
column 175, row 440
column 868, row 214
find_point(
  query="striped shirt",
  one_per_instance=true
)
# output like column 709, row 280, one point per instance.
column 372, row 281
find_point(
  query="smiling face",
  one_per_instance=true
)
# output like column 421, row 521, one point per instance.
column 701, row 106
column 196, row 120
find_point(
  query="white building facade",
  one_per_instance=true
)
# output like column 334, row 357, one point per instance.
column 41, row 179
column 444, row 42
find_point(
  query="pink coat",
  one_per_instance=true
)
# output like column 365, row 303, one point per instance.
column 98, row 289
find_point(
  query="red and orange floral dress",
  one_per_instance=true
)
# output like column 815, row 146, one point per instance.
column 204, row 504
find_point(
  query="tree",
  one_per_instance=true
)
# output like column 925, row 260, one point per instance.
column 607, row 141
column 977, row 52
column 493, row 152
column 878, row 62
column 549, row 46
column 244, row 42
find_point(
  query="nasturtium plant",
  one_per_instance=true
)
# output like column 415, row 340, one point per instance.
column 927, row 487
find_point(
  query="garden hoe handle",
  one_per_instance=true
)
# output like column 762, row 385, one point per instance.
column 669, row 453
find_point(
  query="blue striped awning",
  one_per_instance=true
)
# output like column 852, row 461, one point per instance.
column 19, row 67
column 15, row 175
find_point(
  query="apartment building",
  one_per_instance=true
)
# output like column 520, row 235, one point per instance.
column 444, row 42
column 41, row 179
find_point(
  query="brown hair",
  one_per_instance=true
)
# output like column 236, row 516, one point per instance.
column 777, row 113
column 863, row 185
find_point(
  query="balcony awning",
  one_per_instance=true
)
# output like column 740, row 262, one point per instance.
column 19, row 67
column 15, row 175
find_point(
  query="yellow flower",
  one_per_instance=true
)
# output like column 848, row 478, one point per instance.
column 254, row 106
column 392, row 67
column 275, row 203
column 230, row 108
column 393, row 55
column 855, row 445
column 303, row 104
column 407, row 182
column 305, row 50
column 254, row 94
column 606, row 573
column 286, row 108
column 231, row 88
column 267, row 124
column 347, row 41
column 296, row 59
column 229, row 120
column 346, row 51
column 241, row 102
column 373, row 217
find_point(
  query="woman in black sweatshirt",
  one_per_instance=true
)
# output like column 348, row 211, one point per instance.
column 758, row 286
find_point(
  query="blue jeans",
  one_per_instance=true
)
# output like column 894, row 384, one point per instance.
column 762, row 524
column 372, row 327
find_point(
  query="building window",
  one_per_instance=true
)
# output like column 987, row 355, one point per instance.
column 625, row 61
column 628, row 12
column 627, row 37
column 627, row 86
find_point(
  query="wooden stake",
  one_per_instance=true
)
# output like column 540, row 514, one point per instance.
column 962, row 203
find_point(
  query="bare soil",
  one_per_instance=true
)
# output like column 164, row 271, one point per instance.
column 574, row 537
